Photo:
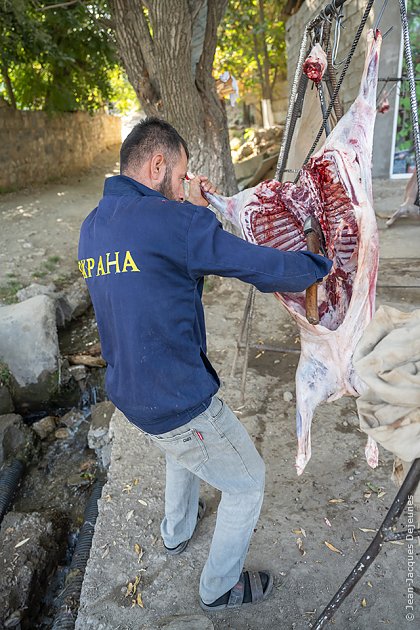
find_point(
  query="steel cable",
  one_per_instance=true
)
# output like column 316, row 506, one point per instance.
column 340, row 80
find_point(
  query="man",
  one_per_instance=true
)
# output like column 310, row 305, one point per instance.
column 144, row 254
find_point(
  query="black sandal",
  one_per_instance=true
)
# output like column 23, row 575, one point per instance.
column 235, row 598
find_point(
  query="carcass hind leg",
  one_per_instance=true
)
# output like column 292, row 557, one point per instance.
column 312, row 387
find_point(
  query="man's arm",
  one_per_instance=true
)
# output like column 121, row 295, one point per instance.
column 211, row 250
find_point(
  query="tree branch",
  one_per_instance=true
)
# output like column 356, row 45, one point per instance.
column 195, row 7
column 257, row 59
column 266, row 61
column 59, row 5
column 274, row 78
column 9, row 87
column 172, row 32
column 134, row 39
column 215, row 12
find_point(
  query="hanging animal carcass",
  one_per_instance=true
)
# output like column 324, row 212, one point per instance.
column 336, row 188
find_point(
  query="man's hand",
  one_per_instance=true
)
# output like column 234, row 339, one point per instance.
column 199, row 185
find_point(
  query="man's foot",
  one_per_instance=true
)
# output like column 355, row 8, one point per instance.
column 253, row 587
column 174, row 551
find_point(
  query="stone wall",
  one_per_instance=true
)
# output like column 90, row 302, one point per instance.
column 36, row 147
column 353, row 11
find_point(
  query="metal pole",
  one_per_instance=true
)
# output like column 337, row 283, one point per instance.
column 244, row 323
column 247, row 339
column 412, row 83
column 408, row 487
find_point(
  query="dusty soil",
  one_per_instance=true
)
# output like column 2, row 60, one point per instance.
column 335, row 501
column 39, row 242
column 40, row 227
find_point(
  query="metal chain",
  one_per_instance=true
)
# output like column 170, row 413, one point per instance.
column 340, row 81
column 412, row 84
column 331, row 79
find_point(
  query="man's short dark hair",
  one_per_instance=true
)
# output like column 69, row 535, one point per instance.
column 148, row 136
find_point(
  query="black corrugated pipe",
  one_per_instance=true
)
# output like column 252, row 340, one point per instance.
column 10, row 476
column 68, row 600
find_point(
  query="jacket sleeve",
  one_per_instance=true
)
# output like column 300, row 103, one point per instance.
column 212, row 250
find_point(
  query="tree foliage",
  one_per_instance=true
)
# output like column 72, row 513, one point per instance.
column 251, row 44
column 167, row 48
column 56, row 58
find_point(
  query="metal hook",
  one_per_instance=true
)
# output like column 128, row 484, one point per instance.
column 381, row 12
column 337, row 33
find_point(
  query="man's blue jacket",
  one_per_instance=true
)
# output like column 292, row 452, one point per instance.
column 144, row 258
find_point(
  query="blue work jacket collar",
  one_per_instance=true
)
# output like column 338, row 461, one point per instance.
column 123, row 185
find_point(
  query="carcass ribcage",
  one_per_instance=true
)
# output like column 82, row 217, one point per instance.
column 275, row 214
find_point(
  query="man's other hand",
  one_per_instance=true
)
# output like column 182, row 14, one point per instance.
column 198, row 185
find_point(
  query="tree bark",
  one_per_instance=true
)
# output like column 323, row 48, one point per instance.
column 266, row 87
column 9, row 87
column 154, row 38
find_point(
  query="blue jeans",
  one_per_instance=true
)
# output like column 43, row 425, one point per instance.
column 214, row 447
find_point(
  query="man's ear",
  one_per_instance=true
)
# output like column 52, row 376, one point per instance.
column 157, row 167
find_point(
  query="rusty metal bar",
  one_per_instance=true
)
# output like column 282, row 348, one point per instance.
column 408, row 487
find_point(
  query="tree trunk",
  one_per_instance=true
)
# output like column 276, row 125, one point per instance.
column 263, row 69
column 8, row 84
column 266, row 86
column 156, row 49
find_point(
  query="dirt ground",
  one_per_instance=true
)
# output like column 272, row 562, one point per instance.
column 39, row 236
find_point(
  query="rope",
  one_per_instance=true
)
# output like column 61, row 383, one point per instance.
column 340, row 81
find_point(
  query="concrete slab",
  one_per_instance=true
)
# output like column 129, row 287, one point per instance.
column 294, row 507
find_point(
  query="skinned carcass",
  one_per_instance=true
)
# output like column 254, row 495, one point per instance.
column 336, row 188
column 410, row 206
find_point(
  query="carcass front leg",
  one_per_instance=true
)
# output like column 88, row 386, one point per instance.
column 303, row 431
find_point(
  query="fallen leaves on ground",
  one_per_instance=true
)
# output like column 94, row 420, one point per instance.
column 332, row 548
column 300, row 532
column 299, row 543
column 129, row 486
column 22, row 542
column 139, row 551
column 106, row 550
column 136, row 598
column 376, row 489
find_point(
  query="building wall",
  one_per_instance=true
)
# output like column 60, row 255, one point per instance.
column 279, row 103
column 36, row 147
column 353, row 10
